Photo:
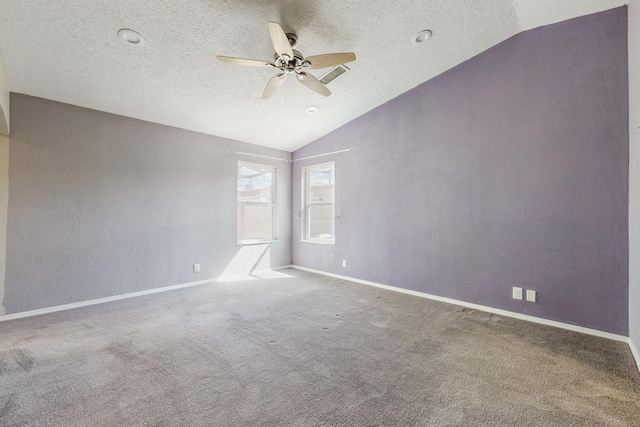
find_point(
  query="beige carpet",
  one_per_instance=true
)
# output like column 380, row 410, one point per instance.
column 306, row 350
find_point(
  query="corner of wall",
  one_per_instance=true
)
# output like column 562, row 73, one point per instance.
column 4, row 205
column 633, row 14
column 635, row 352
column 4, row 101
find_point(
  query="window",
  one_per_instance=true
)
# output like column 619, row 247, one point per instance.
column 256, row 203
column 320, row 201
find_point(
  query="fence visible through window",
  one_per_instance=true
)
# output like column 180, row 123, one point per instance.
column 256, row 203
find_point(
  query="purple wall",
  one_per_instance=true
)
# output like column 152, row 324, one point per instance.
column 508, row 170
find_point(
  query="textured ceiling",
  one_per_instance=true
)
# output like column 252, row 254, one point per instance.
column 68, row 51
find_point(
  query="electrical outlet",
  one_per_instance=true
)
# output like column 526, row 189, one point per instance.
column 344, row 263
column 531, row 295
column 517, row 293
column 196, row 268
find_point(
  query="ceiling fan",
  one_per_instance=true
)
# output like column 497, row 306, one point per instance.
column 290, row 61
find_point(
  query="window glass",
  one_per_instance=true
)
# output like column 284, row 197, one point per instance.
column 322, row 224
column 255, row 184
column 322, row 185
column 320, row 204
column 255, row 222
column 256, row 203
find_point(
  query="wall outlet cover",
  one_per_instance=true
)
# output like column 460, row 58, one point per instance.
column 531, row 295
column 196, row 268
column 517, row 293
column 344, row 263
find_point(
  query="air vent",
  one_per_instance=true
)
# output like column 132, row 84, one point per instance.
column 332, row 74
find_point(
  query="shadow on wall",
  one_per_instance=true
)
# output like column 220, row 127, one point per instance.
column 251, row 262
column 4, row 101
column 4, row 200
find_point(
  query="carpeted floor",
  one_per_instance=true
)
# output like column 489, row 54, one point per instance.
column 306, row 350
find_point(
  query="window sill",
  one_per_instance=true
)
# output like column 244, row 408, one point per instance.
column 319, row 242
column 256, row 242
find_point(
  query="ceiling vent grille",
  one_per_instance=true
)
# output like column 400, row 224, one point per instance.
column 334, row 73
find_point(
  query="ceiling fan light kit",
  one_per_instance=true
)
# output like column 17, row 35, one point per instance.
column 290, row 61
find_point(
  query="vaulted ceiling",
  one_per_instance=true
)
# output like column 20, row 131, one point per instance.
column 69, row 51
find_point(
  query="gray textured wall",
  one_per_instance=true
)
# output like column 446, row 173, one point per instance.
column 4, row 200
column 4, row 100
column 101, row 205
column 508, row 170
column 634, row 173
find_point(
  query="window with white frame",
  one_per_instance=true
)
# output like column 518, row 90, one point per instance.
column 256, row 203
column 320, row 203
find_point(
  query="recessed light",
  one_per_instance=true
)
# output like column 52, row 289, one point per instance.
column 422, row 36
column 130, row 37
column 312, row 109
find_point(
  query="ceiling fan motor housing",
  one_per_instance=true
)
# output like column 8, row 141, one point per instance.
column 290, row 65
column 290, row 61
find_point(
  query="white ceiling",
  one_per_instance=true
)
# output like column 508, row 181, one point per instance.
column 68, row 51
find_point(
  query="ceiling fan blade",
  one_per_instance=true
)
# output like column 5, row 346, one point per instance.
column 280, row 40
column 248, row 62
column 273, row 85
column 314, row 84
column 330, row 60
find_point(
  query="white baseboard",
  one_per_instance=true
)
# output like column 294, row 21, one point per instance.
column 635, row 352
column 71, row 306
column 485, row 308
column 506, row 313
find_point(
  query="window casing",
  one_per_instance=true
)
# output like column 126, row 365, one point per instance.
column 256, row 191
column 320, row 204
